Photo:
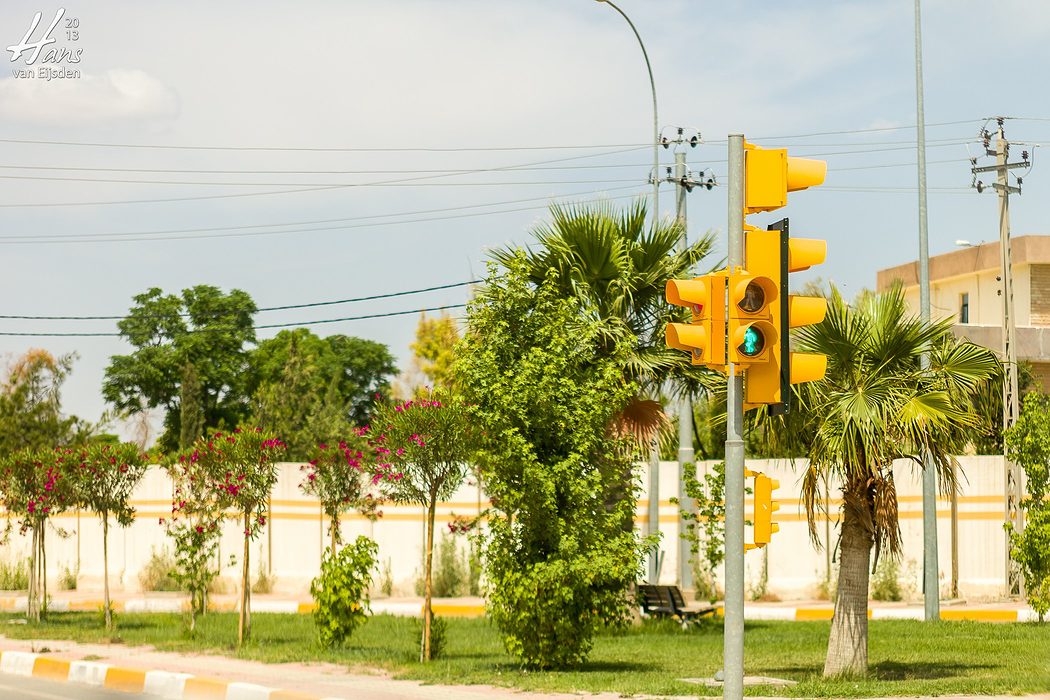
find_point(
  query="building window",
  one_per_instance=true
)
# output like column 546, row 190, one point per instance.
column 964, row 308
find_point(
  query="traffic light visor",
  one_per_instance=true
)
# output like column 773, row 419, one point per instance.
column 806, row 311
column 805, row 172
column 689, row 293
column 808, row 367
column 804, row 253
column 751, row 294
column 683, row 336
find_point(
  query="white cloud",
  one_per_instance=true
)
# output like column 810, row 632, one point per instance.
column 117, row 95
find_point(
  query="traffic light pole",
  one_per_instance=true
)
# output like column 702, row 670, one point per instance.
column 733, row 649
column 685, row 408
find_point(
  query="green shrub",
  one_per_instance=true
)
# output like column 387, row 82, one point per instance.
column 159, row 572
column 67, row 580
column 450, row 575
column 340, row 592
column 438, row 635
column 885, row 584
column 264, row 581
column 386, row 583
column 1031, row 550
column 14, row 576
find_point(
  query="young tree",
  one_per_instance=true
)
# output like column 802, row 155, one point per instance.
column 36, row 485
column 202, row 327
column 547, row 378
column 876, row 404
column 107, row 474
column 31, row 403
column 337, row 476
column 422, row 452
column 1028, row 444
column 434, row 349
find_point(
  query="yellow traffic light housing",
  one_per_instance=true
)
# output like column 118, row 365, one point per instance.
column 765, row 506
column 752, row 335
column 704, row 337
column 769, row 174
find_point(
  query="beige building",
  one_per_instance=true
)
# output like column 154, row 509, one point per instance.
column 965, row 284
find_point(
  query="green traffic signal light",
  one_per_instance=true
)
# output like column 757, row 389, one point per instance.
column 754, row 342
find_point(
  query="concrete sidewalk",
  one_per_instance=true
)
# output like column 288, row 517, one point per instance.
column 62, row 601
column 205, row 677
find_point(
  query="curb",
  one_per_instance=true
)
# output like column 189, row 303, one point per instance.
column 163, row 684
column 414, row 609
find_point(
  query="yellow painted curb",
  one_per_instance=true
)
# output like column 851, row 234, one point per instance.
column 816, row 614
column 51, row 669
column 305, row 608
column 457, row 610
column 125, row 680
column 980, row 615
column 204, row 689
column 290, row 695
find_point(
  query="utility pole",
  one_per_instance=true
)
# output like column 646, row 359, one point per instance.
column 1011, row 400
column 733, row 644
column 684, row 183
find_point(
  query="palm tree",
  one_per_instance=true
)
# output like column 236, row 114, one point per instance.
column 875, row 405
column 619, row 267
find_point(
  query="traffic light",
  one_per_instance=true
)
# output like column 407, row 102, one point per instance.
column 769, row 256
column 705, row 336
column 752, row 334
column 765, row 506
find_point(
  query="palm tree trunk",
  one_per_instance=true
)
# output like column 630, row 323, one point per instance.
column 105, row 571
column 848, row 643
column 428, row 587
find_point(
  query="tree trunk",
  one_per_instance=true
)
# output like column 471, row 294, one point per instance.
column 428, row 587
column 333, row 531
column 42, row 611
column 105, row 571
column 244, row 627
column 848, row 643
column 32, row 611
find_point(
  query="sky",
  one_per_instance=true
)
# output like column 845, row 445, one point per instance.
column 319, row 151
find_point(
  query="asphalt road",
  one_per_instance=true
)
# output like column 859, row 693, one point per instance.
column 24, row 688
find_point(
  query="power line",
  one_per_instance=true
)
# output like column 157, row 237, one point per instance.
column 310, row 189
column 325, row 149
column 90, row 238
column 285, row 307
column 261, row 327
column 310, row 184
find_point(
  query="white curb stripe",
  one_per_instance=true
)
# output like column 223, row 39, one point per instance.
column 247, row 691
column 769, row 613
column 17, row 663
column 165, row 684
column 87, row 672
column 897, row 614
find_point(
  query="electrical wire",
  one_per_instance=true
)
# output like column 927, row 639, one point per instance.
column 285, row 307
column 261, row 327
column 307, row 189
column 74, row 238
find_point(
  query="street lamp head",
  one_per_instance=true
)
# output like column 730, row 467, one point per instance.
column 963, row 244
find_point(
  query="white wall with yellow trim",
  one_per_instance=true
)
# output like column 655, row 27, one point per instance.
column 291, row 545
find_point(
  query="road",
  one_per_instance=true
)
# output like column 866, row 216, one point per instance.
column 25, row 688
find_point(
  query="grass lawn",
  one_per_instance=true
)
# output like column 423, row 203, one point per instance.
column 906, row 657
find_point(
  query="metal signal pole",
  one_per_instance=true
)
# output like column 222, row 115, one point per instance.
column 733, row 649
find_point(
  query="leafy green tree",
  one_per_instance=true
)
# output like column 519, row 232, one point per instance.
column 337, row 376
column 546, row 375
column 106, row 476
column 31, row 403
column 434, row 349
column 36, row 485
column 202, row 327
column 617, row 268
column 422, row 449
column 877, row 404
column 1028, row 444
column 300, row 403
column 191, row 410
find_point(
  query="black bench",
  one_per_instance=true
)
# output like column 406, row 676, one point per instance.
column 667, row 601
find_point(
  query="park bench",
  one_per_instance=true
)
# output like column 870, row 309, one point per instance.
column 667, row 601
